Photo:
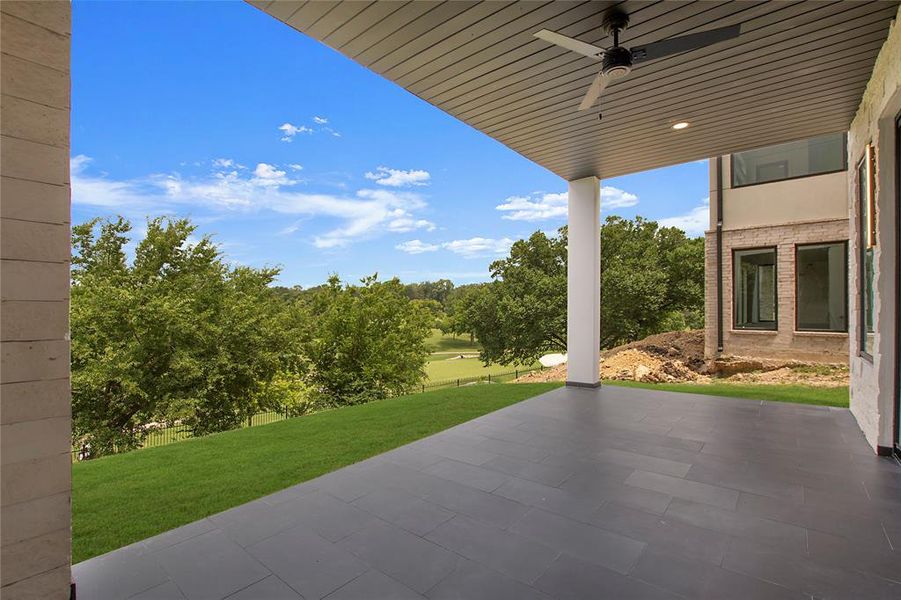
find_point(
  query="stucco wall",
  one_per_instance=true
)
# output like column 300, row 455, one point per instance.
column 814, row 198
column 35, row 413
column 872, row 382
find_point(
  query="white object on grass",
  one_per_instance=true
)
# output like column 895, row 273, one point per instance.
column 552, row 360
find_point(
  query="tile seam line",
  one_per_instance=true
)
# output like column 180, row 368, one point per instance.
column 59, row 185
column 44, row 27
column 33, row 101
column 25, row 139
column 34, row 62
column 35, row 421
column 5, row 218
column 34, row 260
column 12, row 583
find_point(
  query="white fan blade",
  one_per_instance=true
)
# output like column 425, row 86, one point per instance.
column 594, row 92
column 583, row 48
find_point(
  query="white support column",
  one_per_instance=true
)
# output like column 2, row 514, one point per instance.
column 583, row 275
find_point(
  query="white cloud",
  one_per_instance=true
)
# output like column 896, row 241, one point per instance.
column 223, row 163
column 367, row 213
column 320, row 120
column 405, row 224
column 541, row 206
column 296, row 167
column 270, row 175
column 694, row 223
column 398, row 178
column 479, row 247
column 612, row 197
column 416, row 247
column 289, row 131
column 537, row 207
column 292, row 228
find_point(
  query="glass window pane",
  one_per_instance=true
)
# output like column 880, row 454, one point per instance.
column 867, row 265
column 822, row 287
column 823, row 154
column 868, row 301
column 755, row 289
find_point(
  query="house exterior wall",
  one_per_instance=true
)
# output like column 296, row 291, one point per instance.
column 872, row 380
column 785, row 342
column 807, row 199
column 780, row 214
column 35, row 406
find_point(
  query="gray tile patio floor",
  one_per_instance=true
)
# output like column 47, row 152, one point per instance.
column 613, row 493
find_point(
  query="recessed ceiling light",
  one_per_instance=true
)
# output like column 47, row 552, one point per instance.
column 680, row 125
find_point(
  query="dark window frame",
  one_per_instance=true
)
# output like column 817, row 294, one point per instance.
column 744, row 185
column 847, row 287
column 775, row 327
column 862, row 238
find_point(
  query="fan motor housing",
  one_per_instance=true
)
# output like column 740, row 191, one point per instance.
column 617, row 62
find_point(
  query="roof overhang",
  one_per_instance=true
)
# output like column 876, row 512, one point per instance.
column 798, row 70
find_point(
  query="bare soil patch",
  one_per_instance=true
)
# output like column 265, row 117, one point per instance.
column 678, row 357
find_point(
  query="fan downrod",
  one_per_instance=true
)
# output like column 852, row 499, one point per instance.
column 615, row 21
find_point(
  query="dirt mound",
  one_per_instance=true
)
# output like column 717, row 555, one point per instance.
column 665, row 357
column 678, row 356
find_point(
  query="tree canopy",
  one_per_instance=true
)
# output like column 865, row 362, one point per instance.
column 652, row 280
column 174, row 335
column 177, row 335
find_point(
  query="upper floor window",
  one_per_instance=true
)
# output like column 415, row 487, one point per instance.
column 824, row 154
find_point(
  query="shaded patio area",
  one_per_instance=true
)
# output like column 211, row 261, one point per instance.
column 578, row 493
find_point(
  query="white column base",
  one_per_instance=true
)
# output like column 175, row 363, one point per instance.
column 583, row 275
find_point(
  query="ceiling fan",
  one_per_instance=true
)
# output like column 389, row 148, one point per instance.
column 617, row 61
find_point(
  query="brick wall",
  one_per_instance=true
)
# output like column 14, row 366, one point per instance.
column 35, row 412
column 785, row 342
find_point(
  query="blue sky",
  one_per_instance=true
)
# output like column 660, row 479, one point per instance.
column 289, row 154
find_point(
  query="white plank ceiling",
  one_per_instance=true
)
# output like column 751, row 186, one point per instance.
column 798, row 70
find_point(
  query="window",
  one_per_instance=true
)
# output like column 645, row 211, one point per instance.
column 755, row 288
column 867, row 239
column 821, row 288
column 824, row 154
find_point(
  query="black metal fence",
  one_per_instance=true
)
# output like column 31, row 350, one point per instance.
column 475, row 380
column 175, row 433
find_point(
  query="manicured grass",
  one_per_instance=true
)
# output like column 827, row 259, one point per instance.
column 121, row 499
column 441, row 368
column 439, row 342
column 799, row 394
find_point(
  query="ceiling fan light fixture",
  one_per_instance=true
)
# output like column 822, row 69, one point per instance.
column 680, row 125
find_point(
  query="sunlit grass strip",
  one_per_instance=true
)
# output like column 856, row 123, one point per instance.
column 799, row 394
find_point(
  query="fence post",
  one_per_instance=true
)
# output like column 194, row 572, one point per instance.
column 489, row 377
column 458, row 382
column 250, row 421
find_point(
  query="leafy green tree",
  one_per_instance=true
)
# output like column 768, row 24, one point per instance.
column 651, row 278
column 363, row 342
column 649, row 274
column 174, row 335
column 439, row 291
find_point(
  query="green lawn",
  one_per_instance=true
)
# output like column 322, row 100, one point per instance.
column 442, row 368
column 799, row 394
column 121, row 499
column 439, row 342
